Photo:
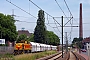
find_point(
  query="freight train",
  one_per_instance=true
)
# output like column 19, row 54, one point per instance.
column 28, row 47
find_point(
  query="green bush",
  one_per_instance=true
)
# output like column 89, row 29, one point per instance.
column 3, row 45
column 7, row 56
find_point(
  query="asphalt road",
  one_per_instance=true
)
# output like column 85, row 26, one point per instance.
column 86, row 53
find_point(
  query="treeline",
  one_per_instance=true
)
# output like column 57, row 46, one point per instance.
column 40, row 35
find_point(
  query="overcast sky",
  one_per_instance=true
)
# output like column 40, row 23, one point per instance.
column 51, row 7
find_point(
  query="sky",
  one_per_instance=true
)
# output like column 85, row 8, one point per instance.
column 49, row 6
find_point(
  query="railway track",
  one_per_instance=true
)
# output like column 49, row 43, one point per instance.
column 72, row 56
column 69, row 56
column 52, row 57
column 76, row 56
column 56, row 57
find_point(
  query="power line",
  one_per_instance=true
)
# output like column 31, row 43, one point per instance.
column 29, row 13
column 45, row 23
column 47, row 15
column 68, row 21
column 68, row 8
column 29, row 7
column 47, row 19
column 71, row 30
column 49, row 22
column 24, row 21
column 60, row 7
column 35, row 22
column 65, row 15
column 63, row 12
column 39, row 7
column 56, row 26
column 21, row 16
column 32, row 22
column 52, row 27
column 43, row 10
column 70, row 14
column 21, row 9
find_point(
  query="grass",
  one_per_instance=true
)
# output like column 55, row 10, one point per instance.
column 6, row 57
column 33, row 56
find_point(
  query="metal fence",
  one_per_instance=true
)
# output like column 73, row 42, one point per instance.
column 5, row 49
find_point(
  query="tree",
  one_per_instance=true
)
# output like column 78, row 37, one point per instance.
column 75, row 40
column 31, row 38
column 7, row 28
column 40, row 29
column 22, row 37
column 52, row 38
column 78, row 42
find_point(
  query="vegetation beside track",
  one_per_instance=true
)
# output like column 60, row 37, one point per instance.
column 34, row 56
column 6, row 57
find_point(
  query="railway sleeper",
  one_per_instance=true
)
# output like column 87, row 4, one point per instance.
column 66, row 56
column 48, row 57
column 78, row 57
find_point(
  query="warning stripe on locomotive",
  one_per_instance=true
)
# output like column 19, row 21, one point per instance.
column 27, row 47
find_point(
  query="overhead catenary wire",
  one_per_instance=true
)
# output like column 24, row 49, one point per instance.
column 29, row 7
column 35, row 22
column 39, row 7
column 21, row 9
column 47, row 19
column 71, row 30
column 46, row 13
column 32, row 22
column 24, row 21
column 43, row 10
column 68, row 8
column 57, row 27
column 72, row 17
column 52, row 27
column 21, row 16
column 66, row 16
column 35, row 17
column 60, row 7
column 68, row 21
column 63, row 11
column 70, row 33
